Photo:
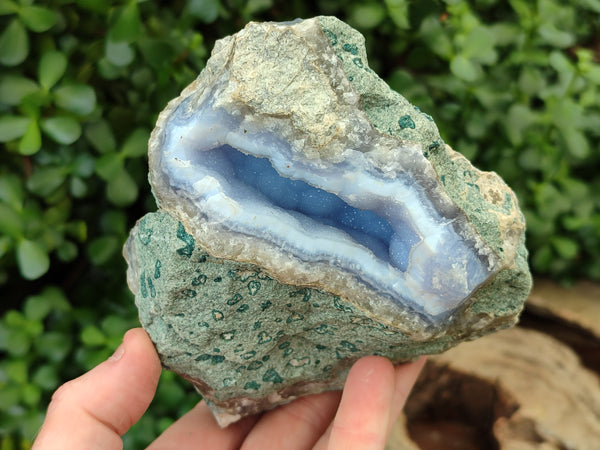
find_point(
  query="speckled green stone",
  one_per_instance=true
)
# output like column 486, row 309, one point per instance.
column 243, row 333
column 249, row 342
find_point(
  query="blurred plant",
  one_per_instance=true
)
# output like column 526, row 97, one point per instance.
column 512, row 85
column 521, row 97
column 80, row 88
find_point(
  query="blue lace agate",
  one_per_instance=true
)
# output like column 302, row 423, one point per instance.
column 385, row 230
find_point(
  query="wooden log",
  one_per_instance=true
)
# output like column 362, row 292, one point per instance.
column 516, row 389
column 571, row 315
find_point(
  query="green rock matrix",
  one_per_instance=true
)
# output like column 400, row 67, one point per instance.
column 249, row 342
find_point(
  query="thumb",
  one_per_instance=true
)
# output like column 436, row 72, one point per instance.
column 94, row 410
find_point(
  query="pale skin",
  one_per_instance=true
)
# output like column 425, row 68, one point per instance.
column 96, row 409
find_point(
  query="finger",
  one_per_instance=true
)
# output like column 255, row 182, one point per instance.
column 298, row 424
column 406, row 376
column 362, row 418
column 94, row 410
column 198, row 429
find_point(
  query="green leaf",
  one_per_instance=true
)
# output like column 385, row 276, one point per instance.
column 142, row 77
column 577, row 142
column 506, row 33
column 8, row 7
column 31, row 140
column 127, row 26
column 109, row 166
column 46, row 377
column 76, row 98
column 561, row 63
column 6, row 244
column 108, row 70
column 136, row 144
column 37, row 307
column 100, row 250
column 593, row 5
column 576, row 189
column 555, row 37
column 398, row 11
column 10, row 222
column 114, row 222
column 256, row 6
column 100, row 135
column 531, row 81
column 205, row 10
column 524, row 9
column 17, row 342
column 14, row 44
column 480, row 46
column 367, row 15
column 77, row 230
column 11, row 191
column 67, row 251
column 51, row 68
column 15, row 319
column 114, row 325
column 12, row 127
column 14, row 88
column 46, row 180
column 170, row 393
column 98, row 6
column 465, row 69
column 83, row 165
column 32, row 259
column 64, row 130
column 542, row 259
column 119, row 53
column 10, row 398
column 92, row 336
column 551, row 202
column 16, row 370
column 54, row 345
column 593, row 74
column 565, row 247
column 90, row 357
column 436, row 38
column 518, row 119
column 573, row 223
column 122, row 190
column 566, row 113
column 37, row 18
column 157, row 52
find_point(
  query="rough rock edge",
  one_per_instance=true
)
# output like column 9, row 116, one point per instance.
column 511, row 285
column 399, row 316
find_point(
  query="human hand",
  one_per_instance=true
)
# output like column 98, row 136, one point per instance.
column 96, row 409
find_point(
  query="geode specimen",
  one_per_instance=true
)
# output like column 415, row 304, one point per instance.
column 310, row 216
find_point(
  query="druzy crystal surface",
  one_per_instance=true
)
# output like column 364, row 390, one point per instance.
column 288, row 160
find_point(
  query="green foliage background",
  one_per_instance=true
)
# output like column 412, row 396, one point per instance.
column 514, row 85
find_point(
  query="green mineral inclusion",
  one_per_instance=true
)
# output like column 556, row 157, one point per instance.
column 256, row 337
column 245, row 334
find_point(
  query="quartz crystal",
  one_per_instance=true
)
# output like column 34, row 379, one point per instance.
column 322, row 219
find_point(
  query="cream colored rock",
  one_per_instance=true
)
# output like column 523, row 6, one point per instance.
column 541, row 395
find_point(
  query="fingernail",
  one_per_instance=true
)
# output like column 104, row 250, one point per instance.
column 118, row 353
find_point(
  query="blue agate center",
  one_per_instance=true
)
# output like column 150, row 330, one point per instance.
column 381, row 227
column 366, row 227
